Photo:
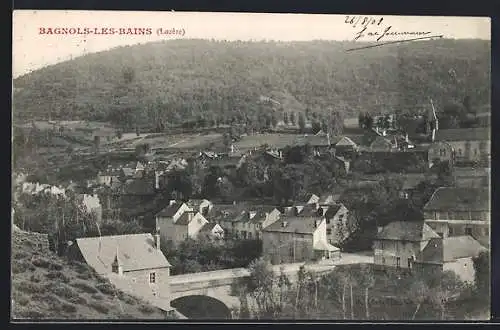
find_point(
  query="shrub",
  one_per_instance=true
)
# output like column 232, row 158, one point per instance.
column 58, row 275
column 106, row 288
column 55, row 266
column 20, row 266
column 97, row 296
column 129, row 299
column 85, row 287
column 64, row 291
column 35, row 278
column 29, row 287
column 84, row 276
column 68, row 307
column 22, row 300
column 146, row 309
column 100, row 307
column 41, row 262
column 79, row 300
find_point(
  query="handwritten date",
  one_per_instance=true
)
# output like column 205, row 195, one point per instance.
column 363, row 20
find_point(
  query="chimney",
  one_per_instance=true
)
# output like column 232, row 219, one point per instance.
column 157, row 239
column 284, row 224
column 280, row 154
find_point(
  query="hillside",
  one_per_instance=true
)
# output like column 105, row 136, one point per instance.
column 169, row 82
column 47, row 287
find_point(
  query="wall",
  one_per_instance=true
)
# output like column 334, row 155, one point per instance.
column 162, row 285
column 195, row 225
column 457, row 215
column 387, row 251
column 170, row 232
column 337, row 226
column 287, row 247
column 463, row 267
column 458, row 229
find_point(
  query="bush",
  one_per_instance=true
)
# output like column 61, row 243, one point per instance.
column 68, row 307
column 84, row 276
column 22, row 300
column 29, row 287
column 129, row 299
column 85, row 287
column 57, row 275
column 146, row 309
column 20, row 266
column 55, row 266
column 79, row 300
column 106, row 288
column 41, row 262
column 64, row 291
column 35, row 278
column 100, row 307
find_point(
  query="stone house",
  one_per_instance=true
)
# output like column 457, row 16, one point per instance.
column 336, row 223
column 249, row 223
column 297, row 239
column 450, row 254
column 454, row 211
column 397, row 245
column 133, row 263
column 462, row 145
column 166, row 220
column 212, row 230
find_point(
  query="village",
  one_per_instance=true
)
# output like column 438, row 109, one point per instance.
column 142, row 180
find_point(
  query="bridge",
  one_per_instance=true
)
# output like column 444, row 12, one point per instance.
column 214, row 289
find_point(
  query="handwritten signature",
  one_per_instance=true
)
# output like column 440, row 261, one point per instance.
column 370, row 28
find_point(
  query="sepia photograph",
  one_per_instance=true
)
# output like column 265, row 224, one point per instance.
column 175, row 166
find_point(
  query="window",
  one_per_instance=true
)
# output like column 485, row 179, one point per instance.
column 383, row 260
column 152, row 277
column 460, row 151
column 410, row 260
column 381, row 245
column 329, row 231
column 468, row 231
column 440, row 235
column 450, row 231
column 398, row 262
column 290, row 251
column 327, row 221
column 249, row 235
column 475, row 152
column 199, row 221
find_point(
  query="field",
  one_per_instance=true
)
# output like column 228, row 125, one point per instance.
column 172, row 141
column 47, row 287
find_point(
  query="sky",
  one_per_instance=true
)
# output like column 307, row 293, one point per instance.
column 32, row 50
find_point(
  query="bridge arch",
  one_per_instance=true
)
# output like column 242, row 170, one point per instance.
column 199, row 306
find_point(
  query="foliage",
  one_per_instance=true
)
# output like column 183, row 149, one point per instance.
column 160, row 82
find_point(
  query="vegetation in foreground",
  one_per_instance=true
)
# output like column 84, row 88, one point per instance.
column 358, row 292
column 45, row 286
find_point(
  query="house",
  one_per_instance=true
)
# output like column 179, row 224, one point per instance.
column 346, row 145
column 382, row 143
column 462, row 145
column 398, row 244
column 297, row 239
column 336, row 223
column 450, row 254
column 312, row 199
column 471, row 177
column 212, row 230
column 187, row 226
column 166, row 219
column 454, row 211
column 249, row 223
column 330, row 199
column 341, row 165
column 133, row 263
column 200, row 205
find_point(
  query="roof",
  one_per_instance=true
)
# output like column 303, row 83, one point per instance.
column 333, row 210
column 324, row 246
column 457, row 247
column 463, row 134
column 209, row 226
column 308, row 211
column 459, row 199
column 185, row 219
column 302, row 225
column 329, row 199
column 170, row 210
column 345, row 141
column 407, row 231
column 136, row 252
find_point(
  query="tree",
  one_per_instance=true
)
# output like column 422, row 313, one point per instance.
column 482, row 273
column 445, row 286
column 367, row 280
column 419, row 292
column 128, row 75
column 261, row 285
column 302, row 122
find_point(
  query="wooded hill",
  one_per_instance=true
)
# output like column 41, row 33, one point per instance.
column 165, row 83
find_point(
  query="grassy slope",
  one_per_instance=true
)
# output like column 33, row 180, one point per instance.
column 177, row 79
column 47, row 287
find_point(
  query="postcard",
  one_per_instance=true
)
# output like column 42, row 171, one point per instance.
column 250, row 166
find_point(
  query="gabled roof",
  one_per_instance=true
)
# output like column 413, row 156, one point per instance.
column 209, row 226
column 333, row 210
column 170, row 210
column 457, row 247
column 136, row 252
column 308, row 211
column 345, row 141
column 407, row 231
column 459, row 199
column 185, row 219
column 463, row 134
column 301, row 225
column 330, row 199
